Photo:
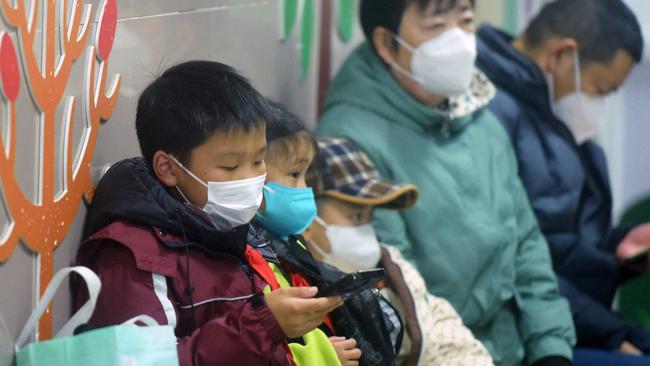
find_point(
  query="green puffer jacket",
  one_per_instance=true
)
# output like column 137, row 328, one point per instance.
column 472, row 234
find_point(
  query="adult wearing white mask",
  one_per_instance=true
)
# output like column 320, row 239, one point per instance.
column 411, row 98
column 552, row 82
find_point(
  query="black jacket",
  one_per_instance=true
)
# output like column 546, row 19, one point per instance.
column 366, row 316
column 568, row 187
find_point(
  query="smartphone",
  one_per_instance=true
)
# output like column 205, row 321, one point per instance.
column 352, row 283
column 639, row 259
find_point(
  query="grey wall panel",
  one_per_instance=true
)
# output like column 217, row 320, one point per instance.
column 16, row 281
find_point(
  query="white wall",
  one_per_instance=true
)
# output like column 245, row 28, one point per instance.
column 632, row 180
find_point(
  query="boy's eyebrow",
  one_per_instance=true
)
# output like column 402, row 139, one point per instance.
column 238, row 154
column 231, row 154
column 302, row 161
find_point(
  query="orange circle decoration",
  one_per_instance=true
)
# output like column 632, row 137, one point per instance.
column 107, row 25
column 9, row 70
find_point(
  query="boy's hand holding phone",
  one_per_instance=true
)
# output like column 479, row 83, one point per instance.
column 297, row 311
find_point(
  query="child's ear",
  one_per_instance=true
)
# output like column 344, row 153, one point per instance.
column 165, row 169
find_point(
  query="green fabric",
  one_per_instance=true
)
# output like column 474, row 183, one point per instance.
column 472, row 233
column 290, row 8
column 116, row 345
column 307, row 36
column 639, row 212
column 317, row 349
column 347, row 17
column 634, row 302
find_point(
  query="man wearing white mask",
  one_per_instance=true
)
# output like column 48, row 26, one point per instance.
column 552, row 82
column 412, row 100
column 348, row 190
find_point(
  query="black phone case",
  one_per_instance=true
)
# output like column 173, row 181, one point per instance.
column 353, row 282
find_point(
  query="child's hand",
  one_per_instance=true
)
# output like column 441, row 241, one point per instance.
column 346, row 349
column 297, row 312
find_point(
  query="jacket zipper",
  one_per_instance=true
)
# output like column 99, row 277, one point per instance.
column 445, row 129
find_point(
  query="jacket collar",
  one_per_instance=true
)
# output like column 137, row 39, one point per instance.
column 511, row 70
column 129, row 191
column 366, row 82
column 289, row 251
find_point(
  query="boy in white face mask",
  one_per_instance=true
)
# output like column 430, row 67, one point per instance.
column 167, row 232
column 348, row 191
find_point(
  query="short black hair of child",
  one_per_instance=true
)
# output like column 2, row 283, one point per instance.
column 190, row 102
column 287, row 135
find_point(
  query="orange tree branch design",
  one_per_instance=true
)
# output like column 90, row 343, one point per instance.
column 42, row 224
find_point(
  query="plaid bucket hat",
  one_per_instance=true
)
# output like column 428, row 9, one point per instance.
column 347, row 174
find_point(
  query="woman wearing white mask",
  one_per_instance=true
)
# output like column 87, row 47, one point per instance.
column 412, row 99
column 348, row 190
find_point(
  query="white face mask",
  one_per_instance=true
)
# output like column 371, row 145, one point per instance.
column 443, row 65
column 230, row 204
column 579, row 111
column 353, row 248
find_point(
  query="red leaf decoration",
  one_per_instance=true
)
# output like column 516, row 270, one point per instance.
column 9, row 70
column 107, row 24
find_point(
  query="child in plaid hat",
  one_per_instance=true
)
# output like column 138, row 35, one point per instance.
column 348, row 189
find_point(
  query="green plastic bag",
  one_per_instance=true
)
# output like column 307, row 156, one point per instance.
column 121, row 345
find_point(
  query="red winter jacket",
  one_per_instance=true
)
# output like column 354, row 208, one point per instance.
column 157, row 256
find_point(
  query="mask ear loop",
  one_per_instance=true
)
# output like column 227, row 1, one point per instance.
column 173, row 158
column 397, row 66
column 315, row 245
column 578, row 77
column 187, row 170
column 182, row 195
column 321, row 222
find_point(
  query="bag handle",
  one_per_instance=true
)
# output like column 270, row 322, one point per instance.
column 144, row 319
column 80, row 317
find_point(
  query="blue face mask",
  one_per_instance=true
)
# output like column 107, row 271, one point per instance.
column 288, row 211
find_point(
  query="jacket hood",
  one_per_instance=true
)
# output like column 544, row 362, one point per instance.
column 130, row 191
column 511, row 70
column 366, row 82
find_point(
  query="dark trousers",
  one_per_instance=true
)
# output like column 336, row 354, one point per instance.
column 593, row 357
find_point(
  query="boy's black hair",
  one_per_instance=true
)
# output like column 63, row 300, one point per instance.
column 389, row 13
column 282, row 123
column 601, row 28
column 190, row 102
column 286, row 134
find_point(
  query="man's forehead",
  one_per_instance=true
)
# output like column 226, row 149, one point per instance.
column 440, row 7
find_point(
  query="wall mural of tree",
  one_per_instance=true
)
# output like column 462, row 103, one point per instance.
column 42, row 224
